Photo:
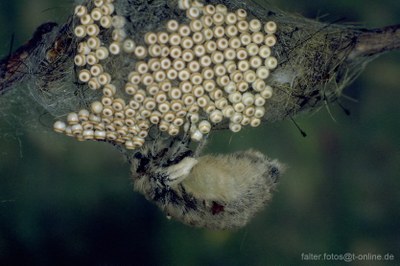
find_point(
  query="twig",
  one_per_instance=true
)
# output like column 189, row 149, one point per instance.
column 377, row 41
column 13, row 68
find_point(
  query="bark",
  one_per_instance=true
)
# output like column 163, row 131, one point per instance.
column 377, row 41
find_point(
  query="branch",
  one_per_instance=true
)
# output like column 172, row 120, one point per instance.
column 316, row 60
column 377, row 41
column 13, row 68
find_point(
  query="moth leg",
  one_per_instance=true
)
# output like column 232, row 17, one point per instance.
column 178, row 172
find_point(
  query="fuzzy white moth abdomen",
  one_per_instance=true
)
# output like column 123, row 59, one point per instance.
column 213, row 191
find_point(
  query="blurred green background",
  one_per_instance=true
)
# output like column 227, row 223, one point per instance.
column 64, row 202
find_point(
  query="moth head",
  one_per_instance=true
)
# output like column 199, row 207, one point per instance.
column 160, row 155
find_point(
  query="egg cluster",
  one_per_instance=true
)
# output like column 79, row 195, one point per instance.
column 190, row 76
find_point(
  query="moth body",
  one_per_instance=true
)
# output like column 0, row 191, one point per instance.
column 212, row 191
